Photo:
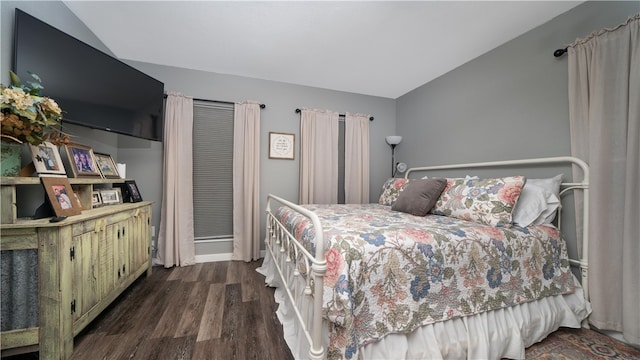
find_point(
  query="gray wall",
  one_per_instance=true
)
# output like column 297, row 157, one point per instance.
column 144, row 158
column 509, row 103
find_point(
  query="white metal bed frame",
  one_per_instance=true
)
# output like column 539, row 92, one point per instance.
column 284, row 248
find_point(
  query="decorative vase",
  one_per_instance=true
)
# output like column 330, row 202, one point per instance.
column 11, row 160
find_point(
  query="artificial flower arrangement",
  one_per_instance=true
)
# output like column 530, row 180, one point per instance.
column 27, row 116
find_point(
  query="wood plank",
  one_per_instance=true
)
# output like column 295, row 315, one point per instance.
column 172, row 312
column 215, row 272
column 212, row 316
column 186, row 273
column 250, row 282
column 234, row 272
column 190, row 321
column 168, row 348
column 50, row 305
column 232, row 324
column 114, row 213
column 19, row 338
column 18, row 239
column 8, row 207
column 255, row 344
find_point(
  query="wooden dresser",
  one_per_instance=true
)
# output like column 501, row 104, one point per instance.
column 83, row 263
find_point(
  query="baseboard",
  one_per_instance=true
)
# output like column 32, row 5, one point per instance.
column 214, row 257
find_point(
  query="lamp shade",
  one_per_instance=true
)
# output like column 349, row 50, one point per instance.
column 394, row 139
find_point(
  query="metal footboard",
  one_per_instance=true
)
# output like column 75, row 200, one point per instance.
column 290, row 256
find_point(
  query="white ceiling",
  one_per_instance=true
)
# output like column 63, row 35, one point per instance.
column 380, row 48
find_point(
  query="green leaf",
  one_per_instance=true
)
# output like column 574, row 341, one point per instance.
column 15, row 80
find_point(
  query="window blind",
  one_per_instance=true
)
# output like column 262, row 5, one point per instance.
column 212, row 170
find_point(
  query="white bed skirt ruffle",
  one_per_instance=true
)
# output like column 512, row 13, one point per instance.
column 496, row 334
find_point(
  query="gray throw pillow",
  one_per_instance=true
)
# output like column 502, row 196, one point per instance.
column 419, row 196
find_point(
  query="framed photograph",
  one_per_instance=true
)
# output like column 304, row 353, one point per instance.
column 61, row 196
column 81, row 160
column 132, row 191
column 106, row 166
column 282, row 145
column 46, row 159
column 111, row 196
column 96, row 199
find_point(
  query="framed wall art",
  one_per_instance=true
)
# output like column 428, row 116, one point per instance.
column 282, row 145
column 106, row 166
column 82, row 161
column 46, row 159
column 61, row 196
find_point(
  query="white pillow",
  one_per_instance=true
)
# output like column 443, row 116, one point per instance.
column 538, row 202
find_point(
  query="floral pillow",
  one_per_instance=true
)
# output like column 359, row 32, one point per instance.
column 487, row 201
column 391, row 189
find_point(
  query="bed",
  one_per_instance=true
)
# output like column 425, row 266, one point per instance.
column 461, row 267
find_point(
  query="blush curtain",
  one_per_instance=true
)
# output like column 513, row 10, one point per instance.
column 356, row 159
column 318, row 157
column 604, row 112
column 176, row 237
column 246, row 181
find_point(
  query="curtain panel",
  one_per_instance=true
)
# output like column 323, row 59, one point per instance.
column 176, row 237
column 318, row 157
column 246, row 181
column 604, row 113
column 356, row 162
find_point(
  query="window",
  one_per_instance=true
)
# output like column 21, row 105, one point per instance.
column 212, row 170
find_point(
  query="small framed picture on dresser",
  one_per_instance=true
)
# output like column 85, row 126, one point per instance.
column 61, row 196
column 133, row 191
column 111, row 196
column 46, row 159
column 82, row 161
column 107, row 166
column 96, row 199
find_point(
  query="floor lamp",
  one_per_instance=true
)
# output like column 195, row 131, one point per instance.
column 393, row 140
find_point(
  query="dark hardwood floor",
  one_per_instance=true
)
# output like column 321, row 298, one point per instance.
column 218, row 310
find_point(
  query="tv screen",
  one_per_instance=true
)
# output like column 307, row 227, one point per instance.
column 92, row 88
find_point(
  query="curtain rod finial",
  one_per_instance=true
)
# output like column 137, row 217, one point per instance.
column 559, row 52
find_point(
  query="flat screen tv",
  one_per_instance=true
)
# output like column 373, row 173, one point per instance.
column 92, row 88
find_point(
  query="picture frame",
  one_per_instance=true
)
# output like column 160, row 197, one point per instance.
column 96, row 199
column 132, row 191
column 81, row 160
column 61, row 196
column 282, row 145
column 106, row 166
column 111, row 196
column 46, row 159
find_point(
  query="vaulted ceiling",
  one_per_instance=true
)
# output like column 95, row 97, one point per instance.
column 380, row 48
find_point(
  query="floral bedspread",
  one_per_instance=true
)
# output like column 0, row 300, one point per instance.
column 391, row 272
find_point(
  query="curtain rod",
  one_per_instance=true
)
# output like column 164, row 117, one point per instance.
column 299, row 111
column 262, row 106
column 559, row 52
